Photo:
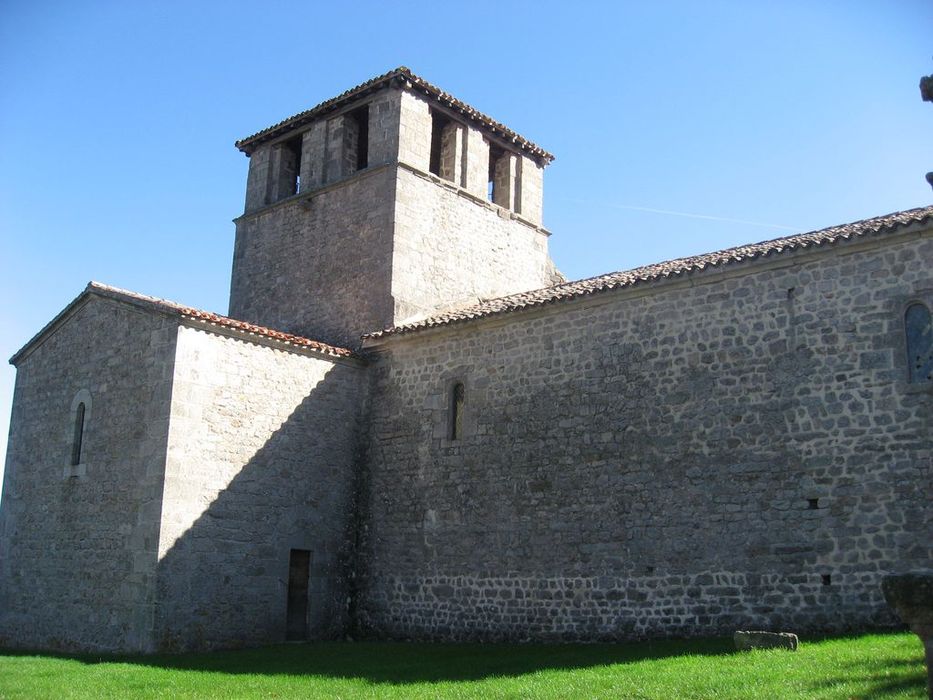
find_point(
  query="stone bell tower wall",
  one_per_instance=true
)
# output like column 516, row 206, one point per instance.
column 319, row 265
column 393, row 208
column 313, row 251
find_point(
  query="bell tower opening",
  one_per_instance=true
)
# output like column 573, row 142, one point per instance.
column 290, row 167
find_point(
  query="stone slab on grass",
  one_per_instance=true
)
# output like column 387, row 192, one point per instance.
column 746, row 641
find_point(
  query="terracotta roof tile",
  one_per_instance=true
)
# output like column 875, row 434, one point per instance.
column 403, row 76
column 672, row 268
column 213, row 319
column 189, row 313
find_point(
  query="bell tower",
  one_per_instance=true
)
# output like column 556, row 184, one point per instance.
column 388, row 203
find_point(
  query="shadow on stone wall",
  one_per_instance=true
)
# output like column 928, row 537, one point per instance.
column 224, row 581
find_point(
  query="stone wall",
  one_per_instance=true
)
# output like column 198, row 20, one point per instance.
column 261, row 460
column 319, row 266
column 452, row 249
column 739, row 449
column 78, row 544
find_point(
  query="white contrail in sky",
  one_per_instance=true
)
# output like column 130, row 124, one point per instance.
column 688, row 215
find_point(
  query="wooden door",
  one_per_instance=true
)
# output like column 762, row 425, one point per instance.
column 296, row 619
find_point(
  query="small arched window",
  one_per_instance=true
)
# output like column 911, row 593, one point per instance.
column 78, row 439
column 457, row 398
column 918, row 325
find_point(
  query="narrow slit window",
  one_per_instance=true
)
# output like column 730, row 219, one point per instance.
column 457, row 398
column 918, row 325
column 78, row 440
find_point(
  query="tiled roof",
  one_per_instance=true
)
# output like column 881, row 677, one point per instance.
column 402, row 76
column 189, row 313
column 672, row 268
column 213, row 319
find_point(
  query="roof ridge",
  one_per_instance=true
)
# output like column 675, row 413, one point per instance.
column 301, row 118
column 668, row 268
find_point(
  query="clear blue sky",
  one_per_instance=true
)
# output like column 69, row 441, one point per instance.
column 750, row 120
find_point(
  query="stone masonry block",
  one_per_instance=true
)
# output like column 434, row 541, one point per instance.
column 746, row 641
column 477, row 162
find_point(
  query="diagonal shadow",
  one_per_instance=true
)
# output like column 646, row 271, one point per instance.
column 879, row 677
column 244, row 492
column 875, row 688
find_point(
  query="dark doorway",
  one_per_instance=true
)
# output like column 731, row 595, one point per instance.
column 296, row 621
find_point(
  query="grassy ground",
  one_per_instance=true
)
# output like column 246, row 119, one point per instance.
column 870, row 666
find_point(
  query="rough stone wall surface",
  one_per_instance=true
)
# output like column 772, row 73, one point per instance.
column 319, row 266
column 261, row 460
column 453, row 155
column 383, row 130
column 415, row 124
column 351, row 144
column 258, row 178
column 451, row 249
column 734, row 451
column 503, row 188
column 477, row 165
column 78, row 553
column 334, row 163
column 532, row 190
column 312, row 157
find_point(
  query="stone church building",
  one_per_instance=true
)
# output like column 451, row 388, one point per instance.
column 410, row 426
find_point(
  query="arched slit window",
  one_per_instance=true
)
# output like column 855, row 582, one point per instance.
column 919, row 327
column 457, row 398
column 78, row 439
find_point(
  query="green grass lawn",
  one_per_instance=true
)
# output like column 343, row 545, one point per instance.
column 870, row 666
